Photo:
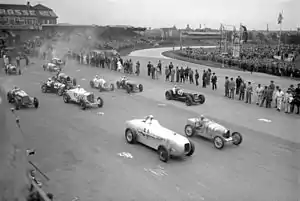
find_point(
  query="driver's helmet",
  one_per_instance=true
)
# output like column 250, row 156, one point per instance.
column 176, row 87
column 202, row 117
column 15, row 87
column 78, row 86
column 96, row 76
column 49, row 79
column 151, row 117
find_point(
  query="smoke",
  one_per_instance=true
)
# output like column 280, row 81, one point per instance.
column 76, row 40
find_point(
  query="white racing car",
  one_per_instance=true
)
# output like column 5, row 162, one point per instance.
column 149, row 132
column 211, row 130
column 82, row 97
column 101, row 84
column 12, row 70
column 51, row 67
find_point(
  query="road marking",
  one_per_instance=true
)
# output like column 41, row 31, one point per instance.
column 161, row 105
column 158, row 171
column 100, row 113
column 78, row 70
column 83, row 79
column 265, row 120
column 125, row 155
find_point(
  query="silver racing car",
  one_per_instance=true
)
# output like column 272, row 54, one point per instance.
column 211, row 130
column 149, row 132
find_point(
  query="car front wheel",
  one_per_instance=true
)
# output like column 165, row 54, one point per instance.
column 218, row 142
column 189, row 131
column 130, row 136
column 164, row 154
column 237, row 138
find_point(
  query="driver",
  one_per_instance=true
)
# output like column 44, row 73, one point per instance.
column 15, row 89
column 96, row 78
column 102, row 81
column 124, row 78
column 175, row 89
column 49, row 82
column 149, row 119
column 201, row 121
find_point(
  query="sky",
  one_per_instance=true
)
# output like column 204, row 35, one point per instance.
column 255, row 14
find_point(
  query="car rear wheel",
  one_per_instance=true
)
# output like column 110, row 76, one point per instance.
column 188, row 101
column 130, row 136
column 36, row 102
column 17, row 104
column 112, row 87
column 192, row 150
column 66, row 98
column 92, row 84
column 189, row 131
column 201, row 99
column 141, row 88
column 60, row 92
column 100, row 102
column 163, row 154
column 128, row 89
column 83, row 105
column 218, row 142
column 118, row 85
column 44, row 88
column 237, row 138
column 168, row 95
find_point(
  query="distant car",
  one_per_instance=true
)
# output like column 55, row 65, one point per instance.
column 58, row 62
column 51, row 67
column 101, row 84
column 65, row 79
column 213, row 131
column 12, row 70
column 188, row 97
column 56, row 87
column 83, row 98
column 149, row 132
column 129, row 85
column 21, row 99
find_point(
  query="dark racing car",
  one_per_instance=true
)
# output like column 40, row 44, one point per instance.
column 129, row 85
column 65, row 79
column 53, row 86
column 188, row 97
column 21, row 99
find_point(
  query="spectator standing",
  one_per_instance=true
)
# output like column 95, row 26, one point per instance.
column 264, row 96
column 272, row 87
column 204, row 79
column 137, row 68
column 259, row 89
column 181, row 73
column 177, row 74
column 167, row 73
column 226, row 87
column 238, row 82
column 149, row 68
column 191, row 76
column 275, row 96
column 231, row 87
column 208, row 77
column 214, row 80
column 279, row 96
column 172, row 74
column 159, row 67
column 269, row 97
column 297, row 98
column 288, row 99
column 197, row 77
column 152, row 69
column 249, row 91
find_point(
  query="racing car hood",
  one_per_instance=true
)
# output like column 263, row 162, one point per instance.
column 80, row 91
column 21, row 93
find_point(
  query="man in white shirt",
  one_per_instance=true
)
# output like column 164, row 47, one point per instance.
column 259, row 89
column 279, row 95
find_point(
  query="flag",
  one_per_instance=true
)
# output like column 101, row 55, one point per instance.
column 244, row 33
column 280, row 18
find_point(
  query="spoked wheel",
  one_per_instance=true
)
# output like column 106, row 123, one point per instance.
column 218, row 142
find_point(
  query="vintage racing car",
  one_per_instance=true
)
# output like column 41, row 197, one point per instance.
column 55, row 87
column 51, row 67
column 101, row 84
column 65, row 79
column 82, row 97
column 129, row 85
column 209, row 129
column 188, row 97
column 58, row 62
column 21, row 99
column 12, row 70
column 149, row 132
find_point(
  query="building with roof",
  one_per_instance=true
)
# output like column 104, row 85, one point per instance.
column 17, row 18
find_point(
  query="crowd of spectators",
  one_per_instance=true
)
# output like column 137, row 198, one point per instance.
column 265, row 59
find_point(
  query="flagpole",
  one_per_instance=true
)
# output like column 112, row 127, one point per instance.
column 280, row 32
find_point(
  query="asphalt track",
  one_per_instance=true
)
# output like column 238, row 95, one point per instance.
column 85, row 154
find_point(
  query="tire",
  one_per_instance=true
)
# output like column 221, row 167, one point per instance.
column 66, row 98
column 237, row 138
column 130, row 136
column 201, row 99
column 191, row 152
column 19, row 72
column 112, row 87
column 188, row 101
column 163, row 154
column 44, row 88
column 36, row 102
column 128, row 88
column 141, row 88
column 9, row 99
column 168, row 95
column 100, row 102
column 218, row 142
column 92, row 84
column 118, row 85
column 60, row 91
column 189, row 131
column 83, row 105
column 100, row 88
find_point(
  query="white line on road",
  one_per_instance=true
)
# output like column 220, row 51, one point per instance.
column 83, row 79
column 125, row 155
column 265, row 120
